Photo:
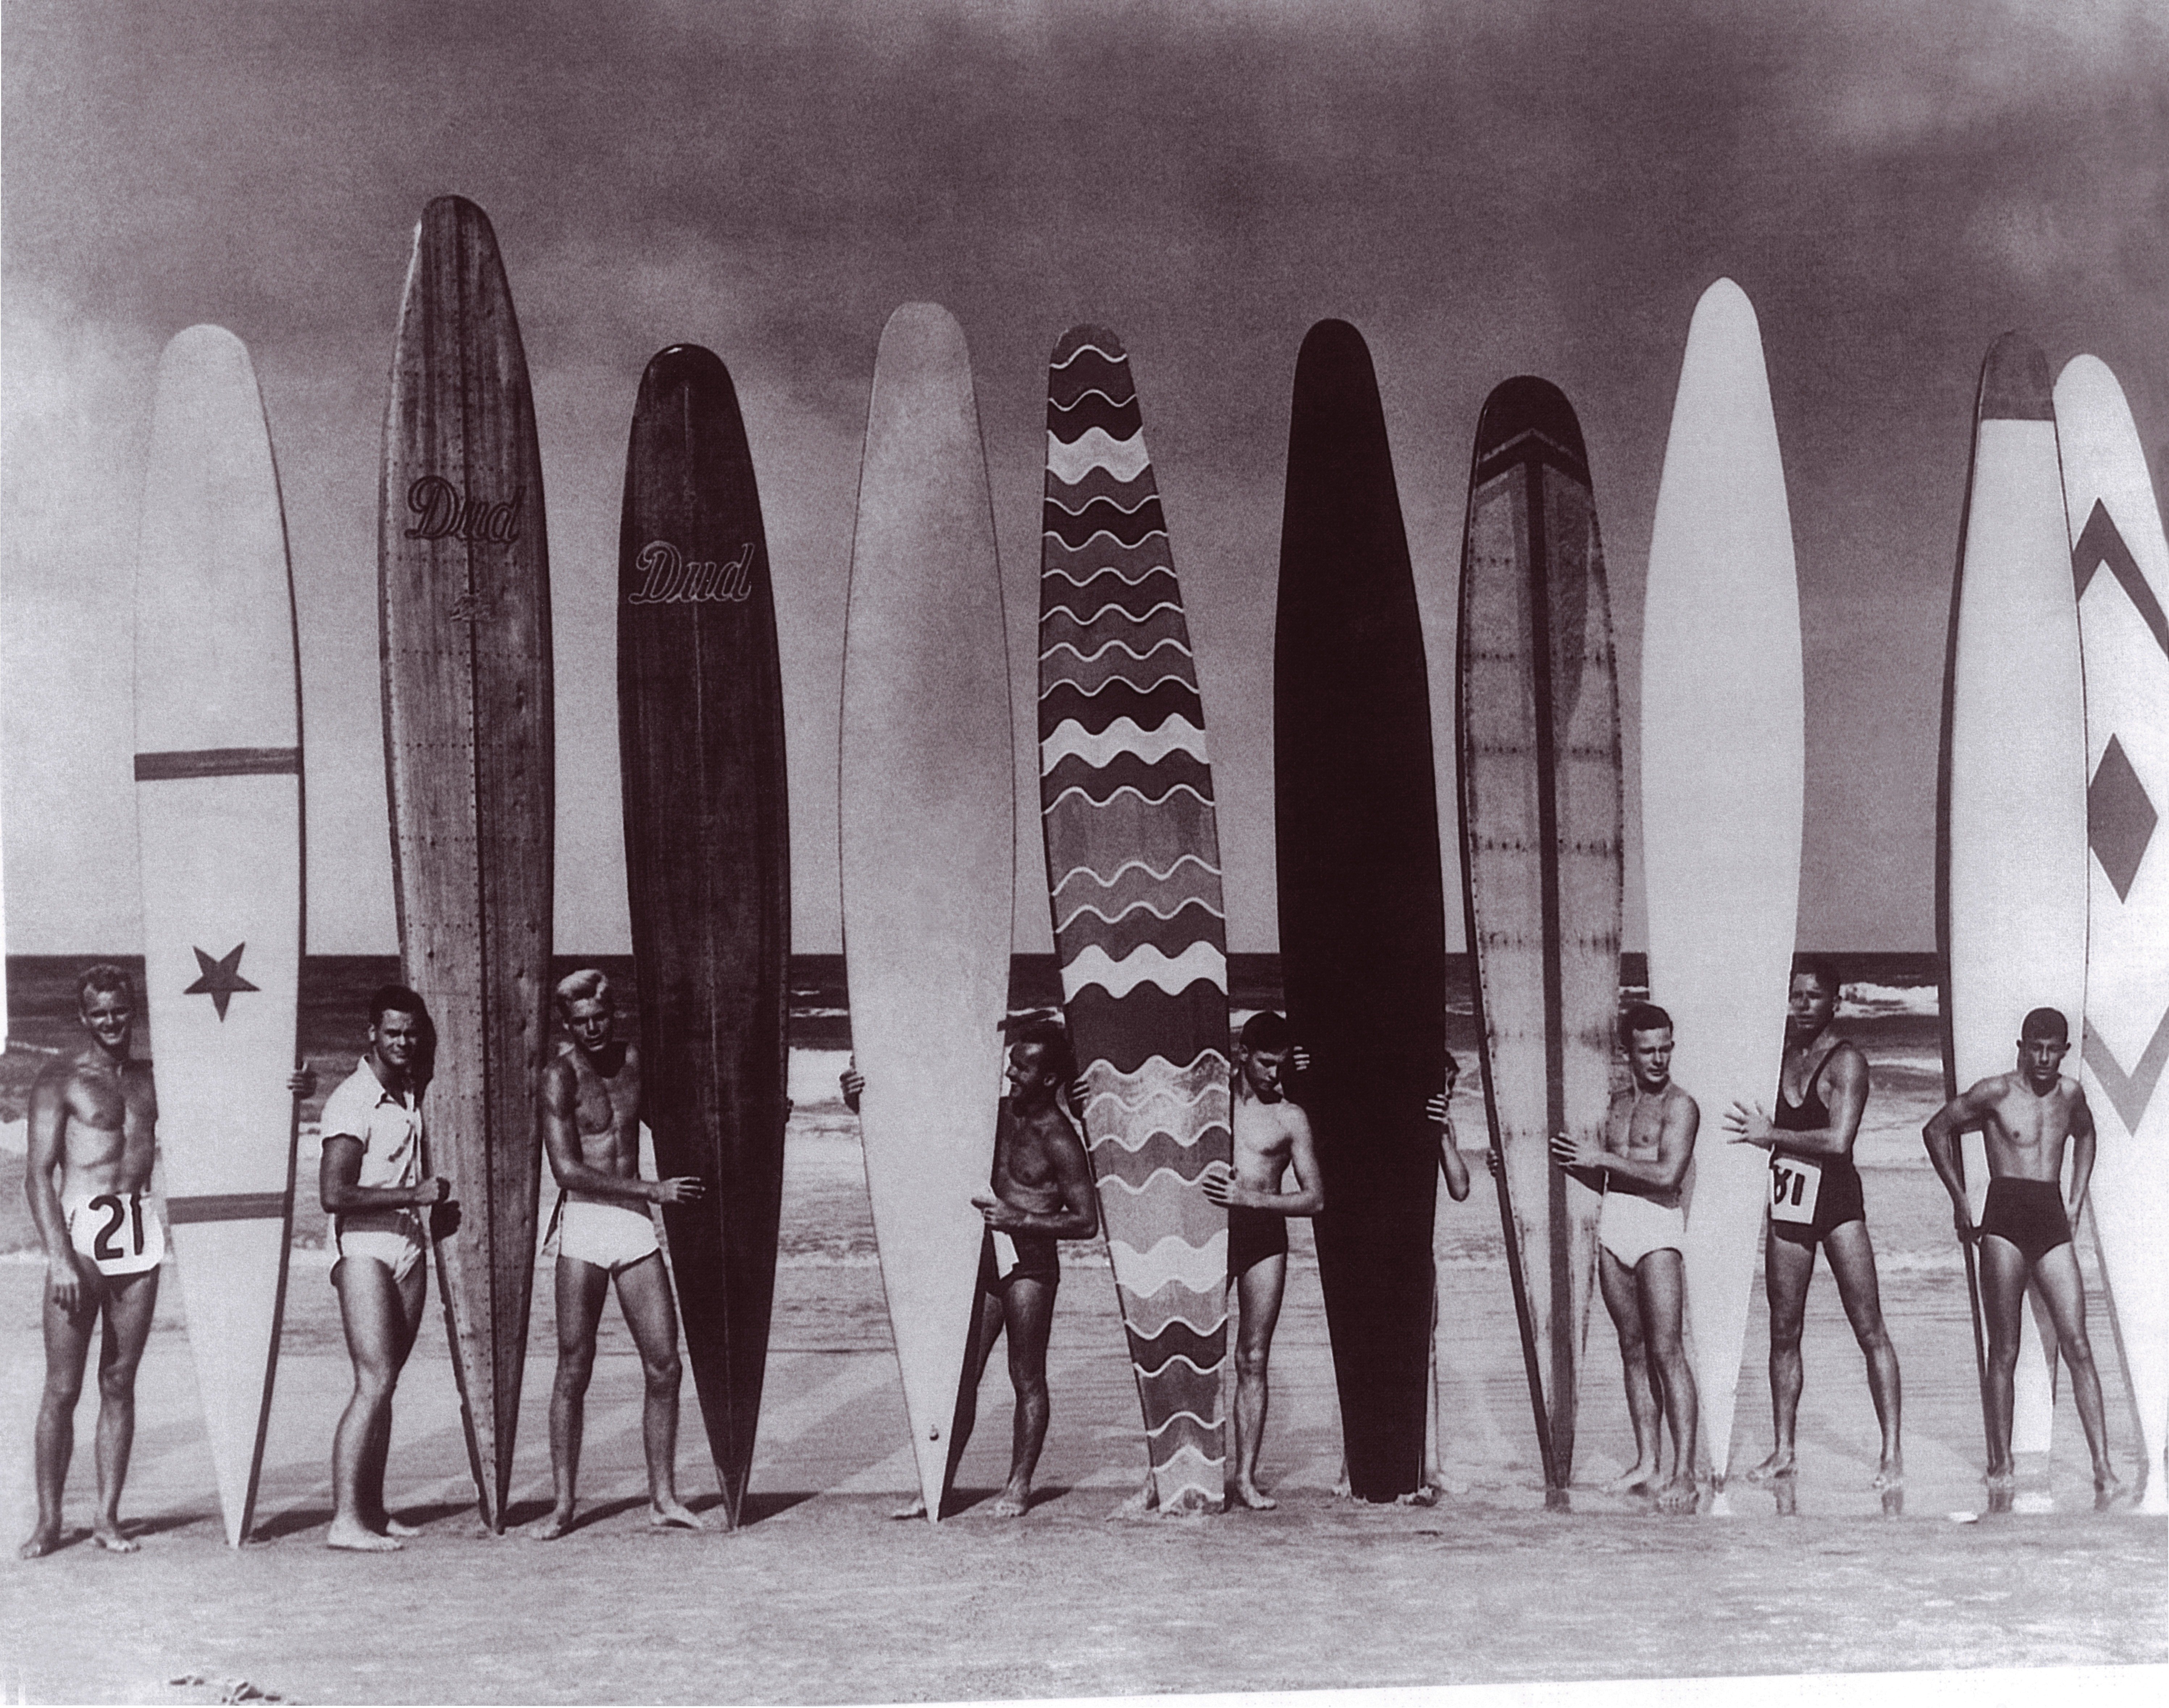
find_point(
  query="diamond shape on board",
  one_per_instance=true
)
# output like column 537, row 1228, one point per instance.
column 2120, row 819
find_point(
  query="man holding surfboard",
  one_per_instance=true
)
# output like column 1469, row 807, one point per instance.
column 93, row 1116
column 1648, row 1143
column 1039, row 1192
column 591, row 1131
column 1815, row 1198
column 2026, row 1118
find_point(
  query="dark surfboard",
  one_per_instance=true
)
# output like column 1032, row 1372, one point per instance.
column 1362, row 913
column 707, row 869
column 464, row 578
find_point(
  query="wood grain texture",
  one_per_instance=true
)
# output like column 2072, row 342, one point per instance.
column 218, row 824
column 1361, row 907
column 1541, row 799
column 464, row 578
column 708, row 869
column 927, row 849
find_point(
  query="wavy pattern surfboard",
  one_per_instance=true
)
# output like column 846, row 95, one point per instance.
column 1133, row 876
column 2120, row 568
column 1538, row 728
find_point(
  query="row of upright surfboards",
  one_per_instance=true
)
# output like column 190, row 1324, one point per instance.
column 927, row 850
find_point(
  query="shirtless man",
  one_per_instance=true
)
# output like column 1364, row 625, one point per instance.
column 1040, row 1192
column 1273, row 1137
column 93, row 1116
column 1815, row 1197
column 371, row 1183
column 591, row 1128
column 2025, row 1118
column 1649, row 1140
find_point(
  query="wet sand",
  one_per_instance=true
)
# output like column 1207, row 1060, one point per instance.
column 824, row 1597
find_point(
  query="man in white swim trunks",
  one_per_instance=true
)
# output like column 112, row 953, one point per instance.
column 93, row 1117
column 591, row 1128
column 371, row 1184
column 1649, row 1140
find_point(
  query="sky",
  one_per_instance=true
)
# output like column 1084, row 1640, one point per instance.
column 1483, row 189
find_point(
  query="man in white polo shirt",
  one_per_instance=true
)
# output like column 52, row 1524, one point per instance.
column 371, row 1184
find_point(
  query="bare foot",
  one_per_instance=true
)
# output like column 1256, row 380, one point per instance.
column 1779, row 1463
column 1246, row 1493
column 347, row 1534
column 1639, row 1479
column 44, row 1540
column 916, row 1509
column 1341, row 1486
column 2108, row 1489
column 1426, row 1496
column 2000, row 1482
column 393, row 1527
column 549, row 1529
column 1889, row 1476
column 672, row 1513
column 1011, row 1502
column 109, row 1535
column 1145, row 1500
column 1678, row 1496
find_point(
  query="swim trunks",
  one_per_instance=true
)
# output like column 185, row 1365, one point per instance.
column 611, row 1236
column 393, row 1237
column 2028, row 1213
column 117, row 1233
column 1810, row 1196
column 1254, row 1236
column 1632, row 1227
column 1030, row 1257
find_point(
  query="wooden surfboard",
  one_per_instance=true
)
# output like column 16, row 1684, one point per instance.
column 1363, row 913
column 2120, row 567
column 2011, row 830
column 1724, row 759
column 465, row 585
column 1537, row 731
column 1133, row 878
column 218, row 801
column 708, row 869
column 927, row 849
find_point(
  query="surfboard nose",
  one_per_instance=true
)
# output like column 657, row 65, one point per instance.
column 922, row 339
column 2014, row 381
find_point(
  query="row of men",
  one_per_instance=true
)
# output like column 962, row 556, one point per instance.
column 91, row 1145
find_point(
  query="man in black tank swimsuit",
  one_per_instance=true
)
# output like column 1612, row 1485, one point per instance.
column 1816, row 1200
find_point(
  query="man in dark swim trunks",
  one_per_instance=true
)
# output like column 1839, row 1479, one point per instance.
column 1041, row 1192
column 2026, row 1117
column 1271, row 1136
column 1816, row 1200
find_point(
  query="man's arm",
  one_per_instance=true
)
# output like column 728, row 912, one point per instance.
column 1079, row 1218
column 2082, row 1150
column 1661, row 1173
column 1969, row 1109
column 340, row 1171
column 48, row 1120
column 561, row 1138
column 1308, row 1198
column 1449, row 1148
column 1846, row 1074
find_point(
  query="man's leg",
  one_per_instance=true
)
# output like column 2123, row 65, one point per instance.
column 978, row 1348
column 373, row 1308
column 1661, row 1286
column 643, row 1294
column 2002, row 1297
column 2056, row 1275
column 1853, row 1262
column 413, row 1295
column 581, row 1287
column 1027, row 1316
column 1616, row 1282
column 131, row 1300
column 1258, row 1291
column 67, row 1350
column 1787, row 1270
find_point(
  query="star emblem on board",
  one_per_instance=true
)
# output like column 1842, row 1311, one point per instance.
column 222, row 978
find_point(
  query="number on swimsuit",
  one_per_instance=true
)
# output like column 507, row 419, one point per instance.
column 101, row 1248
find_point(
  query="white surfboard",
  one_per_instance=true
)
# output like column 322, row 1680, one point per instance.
column 1724, row 759
column 2120, row 568
column 2014, row 838
column 218, row 797
column 928, row 844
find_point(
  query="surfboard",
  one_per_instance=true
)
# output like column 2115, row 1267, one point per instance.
column 2011, row 830
column 2120, row 569
column 464, row 581
column 218, row 804
column 1538, row 734
column 1723, row 761
column 1362, row 909
column 1133, row 880
column 708, row 869
column 927, row 851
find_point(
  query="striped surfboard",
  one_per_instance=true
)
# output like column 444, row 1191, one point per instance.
column 1133, row 876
